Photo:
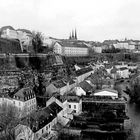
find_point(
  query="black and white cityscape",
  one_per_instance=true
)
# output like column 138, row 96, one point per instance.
column 69, row 70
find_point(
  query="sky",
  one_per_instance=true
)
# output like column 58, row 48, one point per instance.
column 94, row 20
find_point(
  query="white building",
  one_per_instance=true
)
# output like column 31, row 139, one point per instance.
column 125, row 45
column 5, row 100
column 75, row 103
column 57, row 48
column 123, row 72
column 25, row 101
column 107, row 92
column 25, row 37
column 71, row 48
column 9, row 32
column 79, row 91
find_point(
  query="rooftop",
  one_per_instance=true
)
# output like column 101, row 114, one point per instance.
column 83, row 71
column 86, row 86
column 68, row 43
column 59, row 84
column 44, row 116
column 24, row 94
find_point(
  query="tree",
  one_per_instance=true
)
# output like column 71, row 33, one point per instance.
column 37, row 42
column 133, row 90
column 9, row 118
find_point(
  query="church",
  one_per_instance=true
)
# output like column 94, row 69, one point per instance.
column 73, row 35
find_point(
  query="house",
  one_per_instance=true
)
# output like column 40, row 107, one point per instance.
column 61, row 86
column 123, row 72
column 75, row 103
column 25, row 100
column 41, row 123
column 79, row 91
column 9, row 32
column 61, row 101
column 107, row 92
column 83, row 73
column 86, row 86
column 57, row 48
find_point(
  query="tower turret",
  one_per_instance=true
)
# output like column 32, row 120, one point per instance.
column 75, row 35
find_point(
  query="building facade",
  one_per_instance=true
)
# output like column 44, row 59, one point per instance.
column 71, row 48
column 25, row 101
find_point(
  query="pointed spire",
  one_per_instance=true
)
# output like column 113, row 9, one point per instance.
column 72, row 35
column 75, row 35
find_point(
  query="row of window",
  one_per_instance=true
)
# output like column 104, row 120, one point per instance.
column 33, row 107
column 26, row 104
column 47, row 127
column 30, row 102
column 70, row 106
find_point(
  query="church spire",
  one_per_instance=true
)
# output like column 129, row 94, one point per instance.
column 72, row 35
column 75, row 35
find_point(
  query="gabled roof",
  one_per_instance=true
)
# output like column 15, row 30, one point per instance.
column 85, row 86
column 83, row 71
column 44, row 116
column 23, row 93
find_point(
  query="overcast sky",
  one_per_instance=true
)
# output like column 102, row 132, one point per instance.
column 95, row 20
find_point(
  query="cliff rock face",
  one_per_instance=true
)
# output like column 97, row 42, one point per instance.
column 38, row 61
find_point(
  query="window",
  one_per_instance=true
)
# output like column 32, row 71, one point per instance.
column 74, row 111
column 74, row 106
column 42, row 131
column 69, row 106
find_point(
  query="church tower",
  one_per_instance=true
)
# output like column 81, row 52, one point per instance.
column 73, row 35
column 70, row 36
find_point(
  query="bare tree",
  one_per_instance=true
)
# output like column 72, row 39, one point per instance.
column 9, row 118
